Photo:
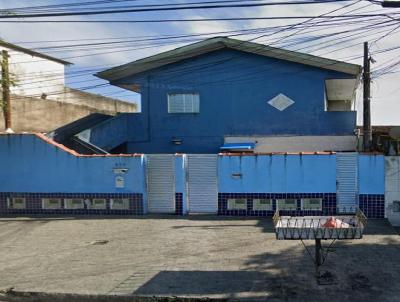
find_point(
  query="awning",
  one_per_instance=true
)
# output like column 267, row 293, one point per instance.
column 243, row 147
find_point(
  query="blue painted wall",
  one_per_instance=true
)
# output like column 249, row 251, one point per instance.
column 29, row 164
column 277, row 174
column 120, row 129
column 180, row 179
column 234, row 88
column 296, row 174
column 371, row 174
column 179, row 174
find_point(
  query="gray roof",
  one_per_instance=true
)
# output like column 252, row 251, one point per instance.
column 33, row 53
column 217, row 43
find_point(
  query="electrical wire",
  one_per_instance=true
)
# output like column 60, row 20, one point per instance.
column 159, row 8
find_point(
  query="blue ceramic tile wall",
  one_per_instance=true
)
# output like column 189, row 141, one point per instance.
column 373, row 205
column 179, row 203
column 34, row 204
column 328, row 204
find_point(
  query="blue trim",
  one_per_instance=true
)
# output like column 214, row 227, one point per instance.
column 238, row 146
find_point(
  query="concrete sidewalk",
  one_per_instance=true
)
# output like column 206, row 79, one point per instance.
column 197, row 256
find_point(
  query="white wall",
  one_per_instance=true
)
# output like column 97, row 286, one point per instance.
column 392, row 188
column 35, row 75
column 297, row 143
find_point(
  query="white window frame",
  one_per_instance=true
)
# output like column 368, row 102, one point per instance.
column 68, row 203
column 191, row 102
column 51, row 208
column 258, row 206
column 304, row 200
column 284, row 207
column 11, row 205
column 97, row 207
column 125, row 204
column 232, row 204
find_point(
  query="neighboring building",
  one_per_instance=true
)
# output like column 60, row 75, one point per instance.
column 36, row 74
column 385, row 139
column 40, row 100
column 221, row 91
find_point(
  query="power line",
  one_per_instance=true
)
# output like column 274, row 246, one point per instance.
column 387, row 15
column 173, row 8
column 123, row 49
column 68, row 4
column 68, row 8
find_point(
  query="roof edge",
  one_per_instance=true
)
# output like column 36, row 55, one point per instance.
column 33, row 52
column 212, row 44
column 169, row 56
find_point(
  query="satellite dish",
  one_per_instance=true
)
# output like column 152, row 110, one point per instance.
column 394, row 132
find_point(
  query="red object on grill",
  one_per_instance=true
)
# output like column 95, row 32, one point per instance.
column 332, row 222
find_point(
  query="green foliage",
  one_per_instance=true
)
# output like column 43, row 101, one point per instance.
column 12, row 81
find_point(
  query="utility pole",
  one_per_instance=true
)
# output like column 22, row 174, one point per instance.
column 391, row 4
column 5, row 83
column 367, row 133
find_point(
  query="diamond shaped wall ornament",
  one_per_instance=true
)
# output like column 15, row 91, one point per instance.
column 281, row 102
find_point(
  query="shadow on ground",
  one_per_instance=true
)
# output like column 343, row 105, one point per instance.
column 362, row 272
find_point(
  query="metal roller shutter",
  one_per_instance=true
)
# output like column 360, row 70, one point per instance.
column 161, row 183
column 347, row 181
column 202, row 183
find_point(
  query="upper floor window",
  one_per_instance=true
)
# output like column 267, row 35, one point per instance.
column 183, row 103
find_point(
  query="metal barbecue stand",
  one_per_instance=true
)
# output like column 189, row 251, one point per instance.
column 312, row 228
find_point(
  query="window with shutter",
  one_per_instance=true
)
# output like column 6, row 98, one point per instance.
column 183, row 103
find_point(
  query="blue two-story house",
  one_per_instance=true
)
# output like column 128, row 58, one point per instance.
column 222, row 93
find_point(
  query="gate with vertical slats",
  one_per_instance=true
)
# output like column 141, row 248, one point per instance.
column 160, row 183
column 347, row 181
column 202, row 183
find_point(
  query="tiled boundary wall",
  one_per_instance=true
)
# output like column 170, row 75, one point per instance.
column 128, row 203
column 298, row 177
column 276, row 177
column 328, row 204
column 180, row 185
column 35, row 170
column 371, row 181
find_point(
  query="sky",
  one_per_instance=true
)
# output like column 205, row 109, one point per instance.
column 385, row 102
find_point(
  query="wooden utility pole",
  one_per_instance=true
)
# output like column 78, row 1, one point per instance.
column 5, row 83
column 367, row 133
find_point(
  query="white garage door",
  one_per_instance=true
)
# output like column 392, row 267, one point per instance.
column 202, row 183
column 347, row 181
column 161, row 183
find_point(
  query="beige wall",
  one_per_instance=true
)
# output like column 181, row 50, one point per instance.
column 37, row 115
column 297, row 143
column 392, row 189
column 38, row 77
column 74, row 96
